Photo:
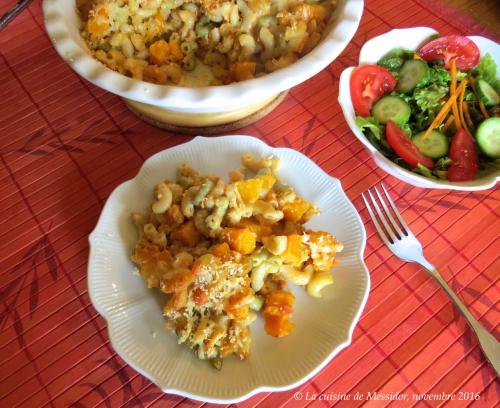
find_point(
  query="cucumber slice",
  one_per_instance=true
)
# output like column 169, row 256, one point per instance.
column 435, row 145
column 488, row 137
column 391, row 108
column 411, row 74
column 487, row 94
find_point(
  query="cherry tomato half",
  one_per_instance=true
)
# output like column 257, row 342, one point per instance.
column 464, row 155
column 401, row 143
column 368, row 84
column 449, row 47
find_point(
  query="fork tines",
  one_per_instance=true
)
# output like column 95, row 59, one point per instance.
column 390, row 231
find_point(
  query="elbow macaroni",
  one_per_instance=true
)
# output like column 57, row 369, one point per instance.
column 317, row 283
column 139, row 38
column 222, row 252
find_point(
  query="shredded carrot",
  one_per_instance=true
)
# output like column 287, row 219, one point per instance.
column 444, row 110
column 483, row 110
column 448, row 123
column 467, row 115
column 453, row 90
column 460, row 104
column 456, row 114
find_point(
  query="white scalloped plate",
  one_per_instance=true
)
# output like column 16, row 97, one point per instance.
column 371, row 52
column 134, row 313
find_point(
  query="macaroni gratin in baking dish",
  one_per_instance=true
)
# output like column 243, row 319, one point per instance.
column 201, row 42
column 202, row 105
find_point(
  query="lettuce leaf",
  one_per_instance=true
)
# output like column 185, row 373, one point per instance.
column 371, row 124
column 487, row 71
column 424, row 171
column 374, row 132
column 443, row 163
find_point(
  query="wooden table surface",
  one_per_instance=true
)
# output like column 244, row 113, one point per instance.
column 485, row 11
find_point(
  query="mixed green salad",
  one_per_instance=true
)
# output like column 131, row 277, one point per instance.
column 435, row 111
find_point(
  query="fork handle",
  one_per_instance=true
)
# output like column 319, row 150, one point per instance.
column 488, row 343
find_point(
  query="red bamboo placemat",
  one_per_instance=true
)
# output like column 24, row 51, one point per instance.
column 65, row 145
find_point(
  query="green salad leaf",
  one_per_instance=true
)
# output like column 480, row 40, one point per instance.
column 443, row 163
column 430, row 98
column 391, row 63
column 393, row 60
column 424, row 171
column 487, row 70
column 369, row 123
column 439, row 75
column 374, row 132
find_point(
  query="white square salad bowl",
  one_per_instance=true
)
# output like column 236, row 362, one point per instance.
column 371, row 52
column 201, row 106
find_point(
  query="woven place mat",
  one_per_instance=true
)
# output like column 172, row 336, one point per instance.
column 65, row 145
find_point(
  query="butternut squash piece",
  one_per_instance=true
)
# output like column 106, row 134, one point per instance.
column 222, row 251
column 261, row 230
column 268, row 181
column 277, row 310
column 241, row 240
column 279, row 303
column 296, row 251
column 249, row 189
column 278, row 326
column 241, row 71
column 187, row 234
column 175, row 51
column 159, row 52
column 295, row 210
column 311, row 11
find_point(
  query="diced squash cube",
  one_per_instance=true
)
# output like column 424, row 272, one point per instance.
column 295, row 210
column 278, row 326
column 159, row 52
column 241, row 239
column 268, row 181
column 249, row 189
column 96, row 27
column 261, row 230
column 242, row 70
column 98, row 23
column 238, row 313
column 279, row 303
column 296, row 251
column 175, row 50
column 311, row 11
column 187, row 234
column 222, row 251
column 237, row 306
column 277, row 310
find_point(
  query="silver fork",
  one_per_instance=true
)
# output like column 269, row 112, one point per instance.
column 402, row 242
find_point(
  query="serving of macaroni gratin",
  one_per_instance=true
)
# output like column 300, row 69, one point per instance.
column 224, row 252
column 163, row 41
